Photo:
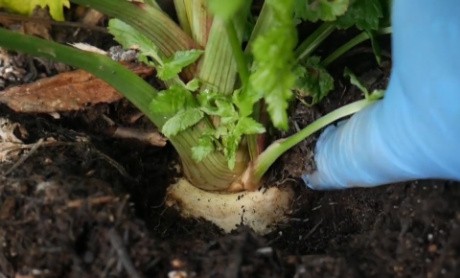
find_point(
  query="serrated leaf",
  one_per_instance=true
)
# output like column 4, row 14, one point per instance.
column 169, row 102
column 231, row 140
column 232, row 125
column 173, row 66
column 193, row 85
column 325, row 10
column 313, row 80
column 215, row 104
column 249, row 126
column 204, row 148
column 364, row 14
column 130, row 38
column 56, row 7
column 181, row 121
column 225, row 9
column 273, row 52
column 245, row 100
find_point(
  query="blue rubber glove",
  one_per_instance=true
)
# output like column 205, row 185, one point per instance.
column 414, row 132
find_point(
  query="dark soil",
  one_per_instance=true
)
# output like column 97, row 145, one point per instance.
column 83, row 204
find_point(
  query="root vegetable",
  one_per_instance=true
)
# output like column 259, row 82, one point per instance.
column 260, row 210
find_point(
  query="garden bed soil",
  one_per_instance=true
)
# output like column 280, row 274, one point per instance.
column 76, row 202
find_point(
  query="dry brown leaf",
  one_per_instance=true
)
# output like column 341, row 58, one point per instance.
column 68, row 91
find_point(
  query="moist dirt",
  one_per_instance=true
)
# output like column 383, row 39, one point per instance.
column 76, row 202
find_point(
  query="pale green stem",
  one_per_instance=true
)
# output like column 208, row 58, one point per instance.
column 314, row 40
column 243, row 71
column 350, row 44
column 217, row 70
column 279, row 147
column 181, row 12
column 238, row 54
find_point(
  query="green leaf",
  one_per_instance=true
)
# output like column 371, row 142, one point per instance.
column 167, row 68
column 249, row 126
column 325, row 10
column 215, row 104
column 181, row 121
column 355, row 81
column 313, row 80
column 225, row 9
column 364, row 14
column 55, row 7
column 172, row 66
column 204, row 148
column 130, row 38
column 193, row 85
column 245, row 100
column 169, row 102
column 273, row 76
column 231, row 140
column 231, row 127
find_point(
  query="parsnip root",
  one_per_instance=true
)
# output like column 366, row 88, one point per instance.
column 260, row 210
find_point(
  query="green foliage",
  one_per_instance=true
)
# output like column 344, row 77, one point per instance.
column 325, row 10
column 373, row 96
column 182, row 120
column 172, row 66
column 313, row 80
column 130, row 38
column 231, row 128
column 55, row 7
column 169, row 102
column 225, row 9
column 269, row 69
column 206, row 145
column 364, row 14
column 273, row 76
column 167, row 67
column 355, row 81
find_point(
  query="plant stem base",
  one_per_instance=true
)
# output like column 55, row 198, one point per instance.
column 260, row 210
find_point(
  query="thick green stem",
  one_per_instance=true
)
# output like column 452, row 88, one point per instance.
column 238, row 54
column 150, row 21
column 314, row 40
column 210, row 174
column 217, row 70
column 181, row 7
column 350, row 44
column 277, row 148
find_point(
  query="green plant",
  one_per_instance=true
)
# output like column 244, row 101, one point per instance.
column 222, row 75
column 28, row 6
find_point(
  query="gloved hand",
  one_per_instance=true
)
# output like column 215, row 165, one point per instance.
column 414, row 132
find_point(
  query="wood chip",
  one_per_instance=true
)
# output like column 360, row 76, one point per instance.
column 91, row 201
column 68, row 91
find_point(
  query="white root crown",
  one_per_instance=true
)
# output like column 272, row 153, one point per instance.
column 260, row 210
